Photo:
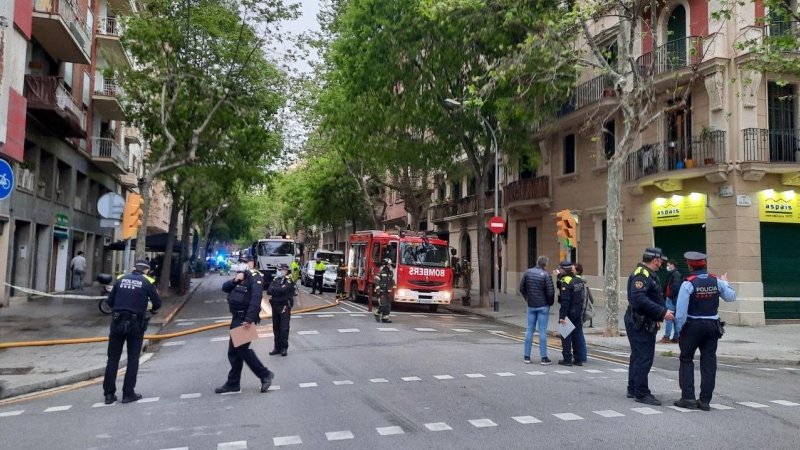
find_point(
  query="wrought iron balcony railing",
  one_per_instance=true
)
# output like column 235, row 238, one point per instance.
column 766, row 145
column 672, row 56
column 706, row 149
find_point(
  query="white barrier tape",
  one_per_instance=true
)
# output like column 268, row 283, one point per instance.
column 45, row 294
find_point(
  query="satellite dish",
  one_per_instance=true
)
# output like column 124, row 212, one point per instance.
column 111, row 206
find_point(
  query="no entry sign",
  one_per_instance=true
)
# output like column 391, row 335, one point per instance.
column 497, row 225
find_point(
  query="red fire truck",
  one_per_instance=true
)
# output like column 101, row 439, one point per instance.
column 421, row 266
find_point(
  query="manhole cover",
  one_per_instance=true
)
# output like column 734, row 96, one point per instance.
column 15, row 370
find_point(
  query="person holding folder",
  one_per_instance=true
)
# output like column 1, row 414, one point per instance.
column 244, row 301
column 571, row 303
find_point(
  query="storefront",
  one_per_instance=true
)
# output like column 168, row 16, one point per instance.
column 779, row 216
column 679, row 227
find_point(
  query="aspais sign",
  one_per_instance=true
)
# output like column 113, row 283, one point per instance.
column 679, row 210
column 781, row 207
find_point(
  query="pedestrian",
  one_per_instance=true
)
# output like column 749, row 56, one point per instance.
column 586, row 294
column 671, row 288
column 78, row 265
column 538, row 291
column 244, row 302
column 295, row 267
column 128, row 300
column 319, row 273
column 697, row 319
column 281, row 291
column 384, row 287
column 646, row 309
column 571, row 308
column 341, row 274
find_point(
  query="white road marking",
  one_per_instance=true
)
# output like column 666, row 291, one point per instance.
column 307, row 385
column 325, row 315
column 568, row 416
column 342, row 382
column 237, row 445
column 389, row 431
column 438, row 426
column 526, row 419
column 563, row 372
column 185, row 324
column 443, row 377
column 306, row 333
column 592, row 371
column 418, row 315
column 173, row 343
column 535, row 372
column 232, row 392
column 357, row 315
column 58, row 408
column 720, row 407
column 475, row 375
column 265, row 335
column 474, row 318
column 620, row 370
column 426, row 330
column 609, row 413
column 729, row 365
column 646, row 411
column 339, row 435
column 388, row 329
column 222, row 321
column 791, row 368
column 349, row 330
column 785, row 403
column 462, row 330
column 176, row 448
column 194, row 395
column 220, row 339
column 482, row 423
column 683, row 410
column 11, row 413
column 149, row 400
column 768, row 369
column 753, row 404
column 505, row 374
column 274, row 388
column 379, row 380
column 102, row 404
column 286, row 440
column 412, row 379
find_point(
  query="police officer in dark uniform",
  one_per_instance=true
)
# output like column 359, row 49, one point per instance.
column 646, row 308
column 341, row 274
column 281, row 291
column 128, row 300
column 244, row 301
column 697, row 318
column 384, row 286
column 571, row 299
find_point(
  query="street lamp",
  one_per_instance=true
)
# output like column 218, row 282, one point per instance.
column 455, row 104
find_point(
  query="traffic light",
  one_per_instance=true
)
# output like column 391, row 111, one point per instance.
column 132, row 216
column 567, row 228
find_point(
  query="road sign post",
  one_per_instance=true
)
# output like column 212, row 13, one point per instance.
column 496, row 225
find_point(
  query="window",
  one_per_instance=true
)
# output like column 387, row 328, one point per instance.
column 86, row 83
column 609, row 140
column 441, row 191
column 526, row 169
column 569, row 154
column 68, row 75
column 490, row 179
column 472, row 185
column 63, row 183
column 456, row 190
column 376, row 254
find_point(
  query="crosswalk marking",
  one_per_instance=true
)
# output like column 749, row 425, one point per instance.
column 426, row 330
column 219, row 339
column 379, row 380
column 526, row 419
column 418, row 315
column 194, row 395
column 412, row 379
column 274, row 388
column 236, row 445
column 475, row 375
column 232, row 392
column 173, row 343
column 177, row 448
column 646, row 411
column 307, row 385
column 482, row 423
column 443, row 377
column 149, row 400
column 286, row 440
column 388, row 329
column 791, row 368
column 102, row 405
column 389, row 431
column 564, row 372
column 349, row 330
column 568, row 416
column 592, row 371
column 609, row 413
column 535, row 372
column 58, row 408
column 185, row 324
column 325, row 315
column 438, row 426
column 306, row 333
column 620, row 370
column 339, row 435
column 768, row 369
column 679, row 409
column 753, row 404
column 505, row 374
column 357, row 315
column 462, row 330
column 342, row 382
column 11, row 413
column 720, row 407
column 785, row 403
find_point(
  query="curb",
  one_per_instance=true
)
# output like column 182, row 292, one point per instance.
column 180, row 306
column 616, row 347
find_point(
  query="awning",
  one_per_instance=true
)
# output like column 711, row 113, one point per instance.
column 153, row 243
column 60, row 233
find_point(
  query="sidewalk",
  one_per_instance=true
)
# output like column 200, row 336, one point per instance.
column 30, row 369
column 777, row 344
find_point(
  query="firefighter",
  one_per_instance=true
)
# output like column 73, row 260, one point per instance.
column 341, row 274
column 319, row 273
column 384, row 287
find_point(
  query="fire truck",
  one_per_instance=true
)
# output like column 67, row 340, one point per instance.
column 421, row 266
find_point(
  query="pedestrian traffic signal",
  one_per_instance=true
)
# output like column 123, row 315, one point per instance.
column 132, row 216
column 567, row 228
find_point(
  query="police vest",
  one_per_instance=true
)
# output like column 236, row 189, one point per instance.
column 319, row 269
column 704, row 301
column 239, row 297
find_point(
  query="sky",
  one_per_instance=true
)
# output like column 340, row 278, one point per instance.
column 306, row 22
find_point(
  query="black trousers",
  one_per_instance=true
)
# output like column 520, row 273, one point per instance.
column 643, row 350
column 281, row 314
column 384, row 306
column 340, row 287
column 238, row 356
column 698, row 334
column 123, row 331
column 317, row 284
column 572, row 345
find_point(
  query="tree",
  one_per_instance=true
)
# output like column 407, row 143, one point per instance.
column 201, row 80
column 392, row 66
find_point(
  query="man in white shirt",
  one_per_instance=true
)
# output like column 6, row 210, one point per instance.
column 78, row 266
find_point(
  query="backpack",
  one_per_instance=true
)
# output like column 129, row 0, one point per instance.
column 587, row 308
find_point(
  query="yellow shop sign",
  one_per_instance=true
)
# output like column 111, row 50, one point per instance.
column 779, row 207
column 679, row 210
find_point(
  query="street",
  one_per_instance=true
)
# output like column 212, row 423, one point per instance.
column 428, row 380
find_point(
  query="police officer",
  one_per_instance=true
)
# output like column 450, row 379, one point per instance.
column 128, row 300
column 281, row 291
column 341, row 274
column 571, row 299
column 244, row 301
column 319, row 273
column 384, row 286
column 295, row 267
column 645, row 310
column 697, row 318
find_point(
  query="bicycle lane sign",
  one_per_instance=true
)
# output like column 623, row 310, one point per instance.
column 6, row 179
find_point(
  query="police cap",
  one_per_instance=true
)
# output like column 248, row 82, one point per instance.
column 664, row 258
column 245, row 258
column 141, row 264
column 695, row 256
column 566, row 264
column 652, row 253
column 283, row 267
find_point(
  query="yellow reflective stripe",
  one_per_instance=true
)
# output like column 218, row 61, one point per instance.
column 566, row 279
column 641, row 270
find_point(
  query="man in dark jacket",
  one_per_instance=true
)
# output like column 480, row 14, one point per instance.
column 282, row 300
column 244, row 301
column 571, row 308
column 671, row 288
column 537, row 288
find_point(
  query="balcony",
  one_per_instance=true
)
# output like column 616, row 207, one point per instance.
column 672, row 56
column 780, row 29
column 109, row 156
column 523, row 195
column 125, row 7
column 109, row 44
column 106, row 98
column 775, row 151
column 462, row 208
column 132, row 135
column 50, row 103
column 598, row 91
column 666, row 164
column 129, row 180
column 61, row 29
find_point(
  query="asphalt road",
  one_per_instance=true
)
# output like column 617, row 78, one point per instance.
column 427, row 380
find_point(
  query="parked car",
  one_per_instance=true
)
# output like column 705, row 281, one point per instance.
column 307, row 275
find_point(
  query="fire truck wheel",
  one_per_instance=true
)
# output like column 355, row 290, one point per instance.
column 353, row 294
column 433, row 308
